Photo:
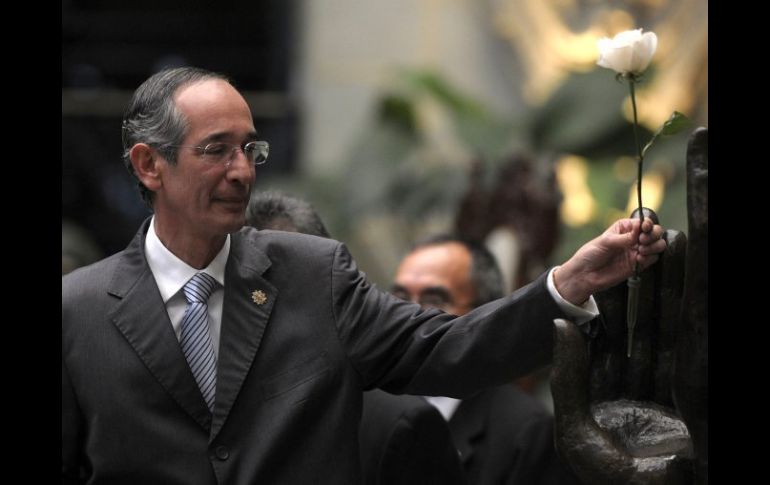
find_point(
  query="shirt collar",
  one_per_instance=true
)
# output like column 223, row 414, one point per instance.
column 445, row 405
column 170, row 272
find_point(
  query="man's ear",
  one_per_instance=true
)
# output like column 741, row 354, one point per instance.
column 146, row 163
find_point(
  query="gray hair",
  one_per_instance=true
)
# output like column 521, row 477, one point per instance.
column 153, row 118
column 486, row 278
column 275, row 210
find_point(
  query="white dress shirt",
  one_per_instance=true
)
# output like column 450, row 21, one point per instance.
column 445, row 405
column 171, row 274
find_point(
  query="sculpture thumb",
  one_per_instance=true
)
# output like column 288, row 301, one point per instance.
column 581, row 442
column 569, row 374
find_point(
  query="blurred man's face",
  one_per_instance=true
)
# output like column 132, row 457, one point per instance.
column 437, row 276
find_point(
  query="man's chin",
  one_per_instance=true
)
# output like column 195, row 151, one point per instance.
column 232, row 222
column 235, row 227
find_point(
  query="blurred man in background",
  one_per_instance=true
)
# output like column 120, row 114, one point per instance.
column 503, row 434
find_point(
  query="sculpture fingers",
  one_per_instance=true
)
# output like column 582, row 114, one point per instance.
column 690, row 387
column 669, row 284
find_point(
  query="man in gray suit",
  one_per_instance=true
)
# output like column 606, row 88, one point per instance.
column 206, row 353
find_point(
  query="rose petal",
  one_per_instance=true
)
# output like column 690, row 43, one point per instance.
column 628, row 51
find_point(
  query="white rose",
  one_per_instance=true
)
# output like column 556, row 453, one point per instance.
column 628, row 52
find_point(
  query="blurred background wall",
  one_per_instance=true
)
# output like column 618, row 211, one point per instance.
column 400, row 118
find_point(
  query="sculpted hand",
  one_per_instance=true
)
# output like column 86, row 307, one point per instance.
column 615, row 417
column 615, row 421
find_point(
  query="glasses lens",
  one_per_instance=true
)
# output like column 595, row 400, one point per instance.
column 257, row 151
column 217, row 152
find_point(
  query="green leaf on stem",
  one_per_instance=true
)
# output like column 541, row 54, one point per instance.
column 673, row 125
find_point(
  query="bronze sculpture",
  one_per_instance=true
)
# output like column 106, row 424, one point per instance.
column 643, row 419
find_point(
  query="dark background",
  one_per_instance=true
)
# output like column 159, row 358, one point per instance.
column 109, row 48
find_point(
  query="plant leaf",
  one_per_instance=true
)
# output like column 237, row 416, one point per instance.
column 676, row 123
column 673, row 125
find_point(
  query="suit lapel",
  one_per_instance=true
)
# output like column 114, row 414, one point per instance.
column 248, row 301
column 468, row 426
column 141, row 317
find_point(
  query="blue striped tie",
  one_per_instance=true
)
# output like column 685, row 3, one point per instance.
column 196, row 339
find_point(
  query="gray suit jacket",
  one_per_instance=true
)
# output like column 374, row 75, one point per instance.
column 290, row 373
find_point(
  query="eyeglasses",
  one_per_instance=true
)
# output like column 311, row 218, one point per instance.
column 224, row 153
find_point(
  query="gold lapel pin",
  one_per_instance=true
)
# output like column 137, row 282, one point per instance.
column 259, row 297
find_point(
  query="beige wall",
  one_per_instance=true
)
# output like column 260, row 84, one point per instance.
column 350, row 49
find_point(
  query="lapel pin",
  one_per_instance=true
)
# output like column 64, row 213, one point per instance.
column 259, row 297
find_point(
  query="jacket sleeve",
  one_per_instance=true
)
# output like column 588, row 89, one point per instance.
column 401, row 348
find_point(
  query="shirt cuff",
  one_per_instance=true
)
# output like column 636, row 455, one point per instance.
column 579, row 314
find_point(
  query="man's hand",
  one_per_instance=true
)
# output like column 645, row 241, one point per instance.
column 609, row 259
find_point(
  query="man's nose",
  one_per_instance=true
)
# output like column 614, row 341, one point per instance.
column 240, row 167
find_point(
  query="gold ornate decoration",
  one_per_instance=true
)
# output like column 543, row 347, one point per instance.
column 259, row 297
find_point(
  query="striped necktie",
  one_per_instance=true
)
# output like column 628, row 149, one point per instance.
column 196, row 339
